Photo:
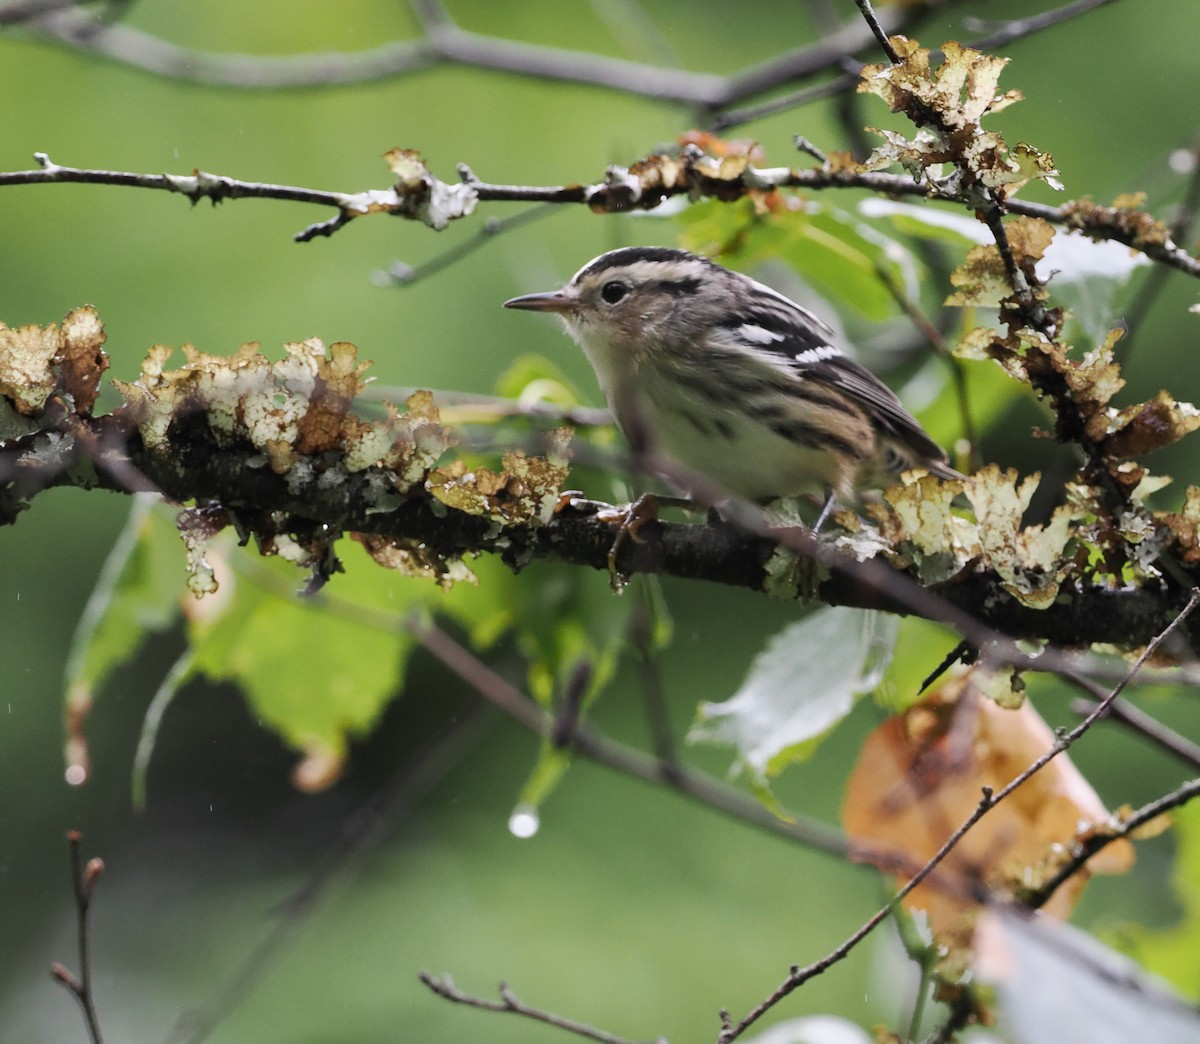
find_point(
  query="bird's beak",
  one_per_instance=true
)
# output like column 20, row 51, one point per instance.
column 552, row 301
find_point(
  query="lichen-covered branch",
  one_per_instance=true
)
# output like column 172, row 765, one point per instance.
column 277, row 449
column 418, row 194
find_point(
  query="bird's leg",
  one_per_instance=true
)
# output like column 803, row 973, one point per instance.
column 629, row 519
column 826, row 511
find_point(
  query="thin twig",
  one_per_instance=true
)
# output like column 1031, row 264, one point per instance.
column 400, row 274
column 614, row 194
column 798, row 976
column 1101, row 839
column 446, row 42
column 1138, row 721
column 1019, row 28
column 509, row 1002
column 600, row 748
column 29, row 10
column 83, row 883
column 643, row 618
column 865, row 9
column 456, row 407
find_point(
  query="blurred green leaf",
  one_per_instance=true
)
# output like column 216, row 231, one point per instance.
column 320, row 670
column 1175, row 953
column 920, row 647
column 137, row 594
column 532, row 377
column 839, row 255
column 564, row 618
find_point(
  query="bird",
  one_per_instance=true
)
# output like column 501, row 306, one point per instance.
column 733, row 381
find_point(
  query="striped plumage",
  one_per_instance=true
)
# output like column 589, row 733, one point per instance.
column 733, row 380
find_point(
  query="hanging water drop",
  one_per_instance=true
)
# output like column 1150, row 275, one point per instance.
column 524, row 821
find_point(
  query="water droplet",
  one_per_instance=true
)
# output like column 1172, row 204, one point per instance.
column 1183, row 161
column 524, row 821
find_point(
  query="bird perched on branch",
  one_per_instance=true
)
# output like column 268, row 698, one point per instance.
column 732, row 380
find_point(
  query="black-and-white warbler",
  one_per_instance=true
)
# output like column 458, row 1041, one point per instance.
column 732, row 380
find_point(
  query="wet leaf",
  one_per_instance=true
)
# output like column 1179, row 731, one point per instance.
column 801, row 685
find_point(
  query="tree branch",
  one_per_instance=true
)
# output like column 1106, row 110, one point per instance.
column 445, row 42
column 444, row 987
column 642, row 187
column 83, row 883
column 193, row 466
column 989, row 800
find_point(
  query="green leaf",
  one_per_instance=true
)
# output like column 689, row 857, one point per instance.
column 136, row 594
column 565, row 617
column 833, row 250
column 535, row 377
column 920, row 647
column 319, row 671
column 568, row 620
column 801, row 685
column 1174, row 953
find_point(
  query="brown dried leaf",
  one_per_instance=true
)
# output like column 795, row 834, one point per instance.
column 525, row 492
column 919, row 775
column 947, row 105
column 1185, row 526
column 36, row 362
column 981, row 280
column 1149, row 426
column 416, row 559
column 1031, row 562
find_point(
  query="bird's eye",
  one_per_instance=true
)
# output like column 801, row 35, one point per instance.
column 614, row 291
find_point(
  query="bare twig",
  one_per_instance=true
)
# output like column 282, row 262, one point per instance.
column 617, row 193
column 868, row 13
column 18, row 11
column 400, row 274
column 446, row 42
column 508, row 1002
column 83, row 882
column 1019, row 28
column 798, row 976
column 600, row 748
column 1101, row 839
column 1138, row 721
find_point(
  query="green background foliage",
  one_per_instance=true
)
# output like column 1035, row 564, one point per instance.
column 631, row 909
